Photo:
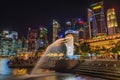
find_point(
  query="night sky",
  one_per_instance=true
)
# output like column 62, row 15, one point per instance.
column 18, row 15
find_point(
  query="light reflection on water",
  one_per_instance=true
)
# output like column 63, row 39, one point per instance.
column 4, row 69
column 21, row 74
column 64, row 77
column 49, row 77
column 18, row 71
column 4, row 77
column 23, row 71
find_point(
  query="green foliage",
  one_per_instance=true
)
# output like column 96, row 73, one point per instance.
column 76, row 50
column 114, row 50
column 103, row 48
column 0, row 35
column 118, row 48
column 85, row 47
column 97, row 52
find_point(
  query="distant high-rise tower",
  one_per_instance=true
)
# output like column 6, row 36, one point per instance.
column 98, row 19
column 8, row 43
column 112, row 21
column 42, row 41
column 56, row 26
column 90, row 19
column 32, row 40
column 19, row 46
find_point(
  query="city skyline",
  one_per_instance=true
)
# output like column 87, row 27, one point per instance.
column 60, row 40
column 20, row 15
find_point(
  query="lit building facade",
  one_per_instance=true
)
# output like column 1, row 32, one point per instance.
column 104, row 43
column 86, row 31
column 8, row 43
column 56, row 26
column 32, row 40
column 112, row 22
column 24, row 44
column 77, row 29
column 98, row 19
column 41, row 42
column 70, row 29
column 19, row 46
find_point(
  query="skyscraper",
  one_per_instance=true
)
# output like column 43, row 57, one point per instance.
column 98, row 19
column 90, row 14
column 32, row 40
column 112, row 21
column 56, row 26
column 8, row 43
column 42, row 42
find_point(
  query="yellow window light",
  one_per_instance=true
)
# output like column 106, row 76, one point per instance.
column 97, row 7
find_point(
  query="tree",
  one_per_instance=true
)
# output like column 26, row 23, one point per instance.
column 76, row 50
column 97, row 49
column 114, row 50
column 85, row 47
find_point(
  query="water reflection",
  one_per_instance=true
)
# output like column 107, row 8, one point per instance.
column 4, row 77
column 23, row 71
column 21, row 74
column 64, row 77
column 41, row 74
column 4, row 69
column 19, row 71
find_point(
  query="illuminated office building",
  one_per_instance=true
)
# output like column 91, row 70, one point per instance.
column 77, row 29
column 56, row 26
column 8, row 43
column 19, row 46
column 86, row 31
column 98, row 19
column 112, row 22
column 32, row 40
column 81, row 28
column 42, row 42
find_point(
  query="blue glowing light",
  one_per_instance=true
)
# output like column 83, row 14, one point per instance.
column 91, row 19
column 73, row 57
column 79, row 19
column 4, row 69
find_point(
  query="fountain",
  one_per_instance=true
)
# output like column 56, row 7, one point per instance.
column 56, row 57
column 44, row 57
column 55, row 54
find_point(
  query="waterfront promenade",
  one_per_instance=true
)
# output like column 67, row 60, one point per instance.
column 104, row 68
